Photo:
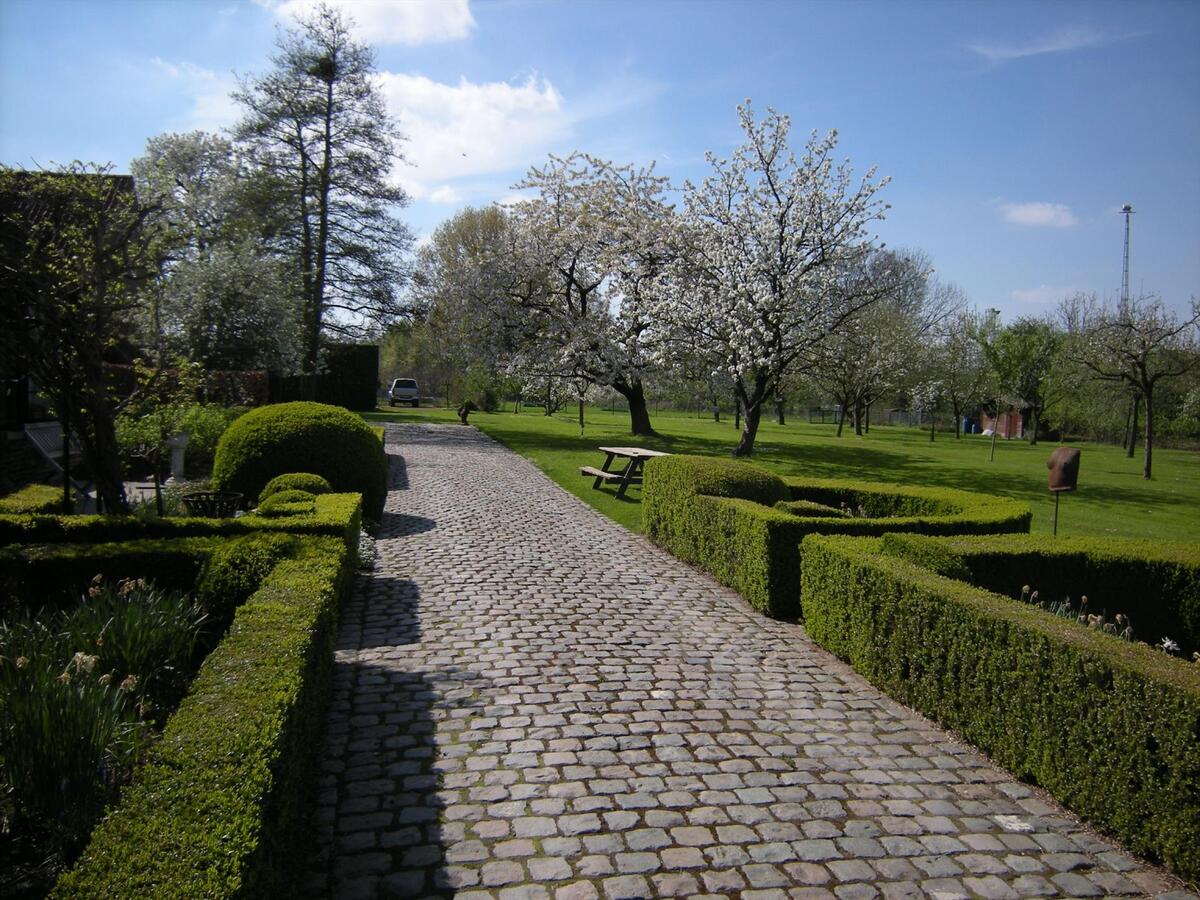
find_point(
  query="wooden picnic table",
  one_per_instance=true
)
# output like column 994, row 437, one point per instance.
column 632, row 472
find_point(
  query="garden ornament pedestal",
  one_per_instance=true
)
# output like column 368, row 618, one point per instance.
column 177, row 444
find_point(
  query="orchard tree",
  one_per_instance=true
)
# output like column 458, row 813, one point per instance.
column 75, row 247
column 955, row 359
column 589, row 258
column 879, row 349
column 316, row 125
column 457, row 291
column 1026, row 367
column 764, row 261
column 1138, row 343
column 231, row 308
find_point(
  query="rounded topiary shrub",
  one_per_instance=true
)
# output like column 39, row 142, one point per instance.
column 295, row 481
column 288, row 503
column 303, row 437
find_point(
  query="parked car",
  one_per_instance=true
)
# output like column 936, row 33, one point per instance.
column 404, row 390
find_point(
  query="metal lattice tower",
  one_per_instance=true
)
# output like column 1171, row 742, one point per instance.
column 1126, row 211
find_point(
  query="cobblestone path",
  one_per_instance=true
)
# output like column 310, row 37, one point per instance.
column 531, row 702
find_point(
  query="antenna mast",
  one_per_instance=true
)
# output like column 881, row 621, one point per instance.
column 1126, row 211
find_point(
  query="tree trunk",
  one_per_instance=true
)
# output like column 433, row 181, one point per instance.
column 639, row 413
column 745, row 445
column 581, row 415
column 737, row 411
column 841, row 419
column 1149, row 434
column 932, row 426
column 957, row 410
column 716, row 412
column 779, row 411
column 858, row 420
column 1033, row 418
column 867, row 419
column 1127, row 434
column 1133, row 429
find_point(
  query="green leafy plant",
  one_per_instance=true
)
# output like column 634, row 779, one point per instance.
column 133, row 628
column 288, row 503
column 68, row 738
column 79, row 690
column 218, row 809
column 33, row 498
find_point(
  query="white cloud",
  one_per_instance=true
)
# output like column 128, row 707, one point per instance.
column 444, row 194
column 212, row 106
column 1039, row 214
column 1043, row 294
column 468, row 129
column 391, row 21
column 1062, row 41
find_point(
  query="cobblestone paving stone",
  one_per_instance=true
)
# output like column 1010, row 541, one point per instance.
column 532, row 702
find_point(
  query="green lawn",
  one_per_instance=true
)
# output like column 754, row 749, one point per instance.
column 1112, row 499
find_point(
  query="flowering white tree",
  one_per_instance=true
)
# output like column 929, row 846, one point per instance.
column 766, row 252
column 878, row 349
column 1139, row 343
column 591, row 251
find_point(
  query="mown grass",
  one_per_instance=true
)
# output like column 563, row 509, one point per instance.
column 1112, row 499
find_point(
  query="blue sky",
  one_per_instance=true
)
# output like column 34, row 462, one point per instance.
column 1012, row 132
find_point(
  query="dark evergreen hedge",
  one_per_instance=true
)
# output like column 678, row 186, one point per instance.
column 733, row 519
column 1111, row 728
column 303, row 437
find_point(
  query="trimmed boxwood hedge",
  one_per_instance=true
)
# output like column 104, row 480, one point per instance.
column 303, row 437
column 336, row 514
column 1110, row 727
column 218, row 810
column 33, row 498
column 731, row 518
column 295, row 481
column 50, row 576
column 1157, row 585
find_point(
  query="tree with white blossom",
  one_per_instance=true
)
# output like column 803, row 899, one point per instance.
column 1138, row 343
column 766, row 250
column 590, row 253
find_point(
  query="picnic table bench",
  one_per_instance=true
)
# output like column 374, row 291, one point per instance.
column 632, row 472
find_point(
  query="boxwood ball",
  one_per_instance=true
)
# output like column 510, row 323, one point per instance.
column 316, row 438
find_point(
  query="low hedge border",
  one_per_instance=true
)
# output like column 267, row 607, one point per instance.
column 33, row 498
column 731, row 518
column 1156, row 584
column 336, row 514
column 1111, row 728
column 219, row 810
column 39, row 576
